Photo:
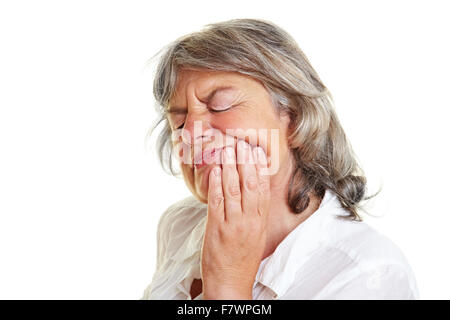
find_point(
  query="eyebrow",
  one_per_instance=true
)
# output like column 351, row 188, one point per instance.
column 180, row 110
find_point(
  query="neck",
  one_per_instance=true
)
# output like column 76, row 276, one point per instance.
column 281, row 219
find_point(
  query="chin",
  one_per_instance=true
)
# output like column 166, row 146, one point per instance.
column 200, row 196
column 202, row 193
column 198, row 186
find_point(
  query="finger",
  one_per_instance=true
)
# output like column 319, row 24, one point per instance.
column 215, row 196
column 263, row 180
column 247, row 178
column 230, row 185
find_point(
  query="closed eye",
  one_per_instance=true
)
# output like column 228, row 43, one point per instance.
column 217, row 111
column 211, row 110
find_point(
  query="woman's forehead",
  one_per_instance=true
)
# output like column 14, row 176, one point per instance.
column 204, row 82
column 203, row 79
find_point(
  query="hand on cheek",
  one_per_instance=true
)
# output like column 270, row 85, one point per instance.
column 235, row 235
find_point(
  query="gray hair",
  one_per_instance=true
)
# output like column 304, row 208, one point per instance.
column 324, row 158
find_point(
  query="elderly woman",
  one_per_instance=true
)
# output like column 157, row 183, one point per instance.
column 276, row 187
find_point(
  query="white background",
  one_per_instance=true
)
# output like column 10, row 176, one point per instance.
column 81, row 194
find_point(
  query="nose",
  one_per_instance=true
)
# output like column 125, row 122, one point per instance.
column 196, row 129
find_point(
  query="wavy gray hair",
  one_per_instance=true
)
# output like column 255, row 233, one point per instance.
column 258, row 48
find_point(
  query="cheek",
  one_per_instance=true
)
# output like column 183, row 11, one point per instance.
column 266, row 134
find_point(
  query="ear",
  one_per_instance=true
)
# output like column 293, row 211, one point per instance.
column 285, row 119
column 286, row 126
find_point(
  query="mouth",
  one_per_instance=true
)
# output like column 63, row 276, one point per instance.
column 207, row 157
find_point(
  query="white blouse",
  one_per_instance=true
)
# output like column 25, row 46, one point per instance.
column 324, row 257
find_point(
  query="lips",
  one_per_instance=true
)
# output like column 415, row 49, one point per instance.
column 208, row 156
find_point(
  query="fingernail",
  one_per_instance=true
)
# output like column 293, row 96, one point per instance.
column 262, row 156
column 243, row 144
column 255, row 154
column 229, row 152
column 217, row 171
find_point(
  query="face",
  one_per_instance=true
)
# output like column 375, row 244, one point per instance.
column 210, row 110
